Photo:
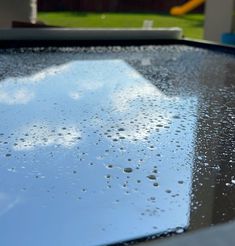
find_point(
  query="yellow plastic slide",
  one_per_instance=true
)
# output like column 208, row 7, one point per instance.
column 185, row 8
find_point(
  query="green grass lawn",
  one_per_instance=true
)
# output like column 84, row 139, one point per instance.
column 192, row 24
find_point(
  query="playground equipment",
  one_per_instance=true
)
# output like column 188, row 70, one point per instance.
column 185, row 8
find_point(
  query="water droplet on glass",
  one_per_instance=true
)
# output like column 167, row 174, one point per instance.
column 151, row 177
column 127, row 169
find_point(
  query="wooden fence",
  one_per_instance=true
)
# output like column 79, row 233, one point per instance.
column 110, row 5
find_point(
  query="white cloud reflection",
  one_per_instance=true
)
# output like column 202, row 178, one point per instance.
column 126, row 94
column 134, row 75
column 142, row 127
column 139, row 124
column 122, row 99
column 42, row 135
column 19, row 96
column 44, row 73
column 75, row 95
column 84, row 86
column 21, row 90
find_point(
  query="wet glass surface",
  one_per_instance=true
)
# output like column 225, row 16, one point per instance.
column 102, row 145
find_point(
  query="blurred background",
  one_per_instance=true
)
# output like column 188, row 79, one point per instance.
column 120, row 13
column 208, row 19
